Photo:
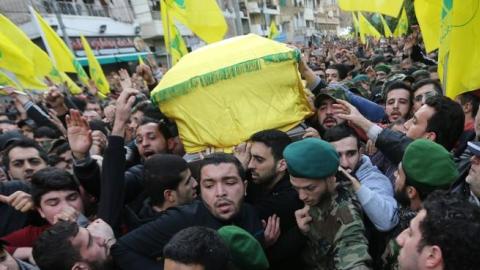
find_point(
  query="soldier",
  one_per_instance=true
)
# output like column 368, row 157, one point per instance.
column 331, row 219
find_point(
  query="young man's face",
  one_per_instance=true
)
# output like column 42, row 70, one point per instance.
column 150, row 140
column 397, row 104
column 93, row 248
column 311, row 191
column 421, row 94
column 94, row 107
column 332, row 75
column 262, row 164
column 473, row 177
column 326, row 117
column 65, row 162
column 410, row 257
column 55, row 202
column 24, row 162
column 348, row 150
column 186, row 191
column 417, row 125
column 222, row 189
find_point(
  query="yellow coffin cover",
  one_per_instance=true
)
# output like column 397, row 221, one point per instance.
column 221, row 94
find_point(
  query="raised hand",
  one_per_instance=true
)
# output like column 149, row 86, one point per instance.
column 79, row 134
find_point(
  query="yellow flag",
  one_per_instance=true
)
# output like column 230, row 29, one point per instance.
column 459, row 53
column 42, row 64
column 174, row 42
column 140, row 60
column 428, row 13
column 273, row 31
column 71, row 85
column 386, row 28
column 13, row 59
column 366, row 28
column 203, row 17
column 402, row 25
column 355, row 23
column 387, row 7
column 6, row 80
column 61, row 55
column 96, row 72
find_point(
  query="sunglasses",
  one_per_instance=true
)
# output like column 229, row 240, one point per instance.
column 423, row 97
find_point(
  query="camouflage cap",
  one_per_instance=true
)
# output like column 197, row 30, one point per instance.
column 331, row 92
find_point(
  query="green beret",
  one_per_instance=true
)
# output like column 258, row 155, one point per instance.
column 311, row 158
column 360, row 78
column 429, row 165
column 383, row 67
column 246, row 251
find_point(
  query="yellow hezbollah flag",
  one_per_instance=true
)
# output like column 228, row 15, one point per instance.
column 386, row 29
column 402, row 25
column 13, row 59
column 174, row 42
column 72, row 86
column 221, row 94
column 96, row 72
column 459, row 53
column 366, row 28
column 61, row 55
column 42, row 65
column 273, row 31
column 6, row 80
column 428, row 13
column 387, row 7
column 204, row 17
column 355, row 23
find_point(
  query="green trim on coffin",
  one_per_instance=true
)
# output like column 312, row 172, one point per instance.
column 220, row 75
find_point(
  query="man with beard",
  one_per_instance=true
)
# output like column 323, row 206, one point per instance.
column 325, row 112
column 398, row 101
column 271, row 193
column 23, row 158
column 416, row 178
column 331, row 218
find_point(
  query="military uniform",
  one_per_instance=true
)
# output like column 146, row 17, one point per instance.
column 336, row 239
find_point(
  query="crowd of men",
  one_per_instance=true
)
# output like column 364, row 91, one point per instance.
column 384, row 175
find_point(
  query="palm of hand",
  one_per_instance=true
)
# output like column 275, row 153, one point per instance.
column 79, row 139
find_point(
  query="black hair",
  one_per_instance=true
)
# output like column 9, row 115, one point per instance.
column 342, row 70
column 398, row 85
column 45, row 132
column 276, row 140
column 453, row 224
column 53, row 249
column 198, row 245
column 447, row 122
column 162, row 172
column 340, row 132
column 162, row 126
column 472, row 99
column 23, row 143
column 218, row 158
column 51, row 179
column 436, row 85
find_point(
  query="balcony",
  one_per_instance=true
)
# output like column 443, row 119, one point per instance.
column 253, row 7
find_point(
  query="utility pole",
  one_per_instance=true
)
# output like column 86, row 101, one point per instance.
column 66, row 38
column 238, row 19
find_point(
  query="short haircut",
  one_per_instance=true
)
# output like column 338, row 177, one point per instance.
column 453, row 224
column 23, row 143
column 340, row 132
column 471, row 98
column 162, row 172
column 45, row 132
column 53, row 249
column 342, row 70
column 276, row 140
column 447, row 122
column 436, row 85
column 198, row 245
column 162, row 126
column 219, row 158
column 51, row 179
column 398, row 85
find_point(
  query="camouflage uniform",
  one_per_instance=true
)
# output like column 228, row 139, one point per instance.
column 336, row 239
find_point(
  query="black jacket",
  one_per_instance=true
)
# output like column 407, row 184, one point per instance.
column 283, row 201
column 143, row 247
column 392, row 144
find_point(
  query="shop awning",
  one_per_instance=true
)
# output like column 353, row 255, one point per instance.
column 114, row 58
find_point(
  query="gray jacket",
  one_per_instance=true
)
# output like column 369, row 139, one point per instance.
column 376, row 196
